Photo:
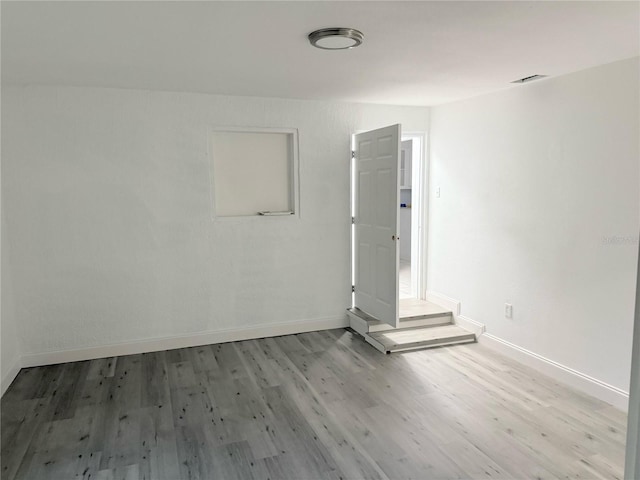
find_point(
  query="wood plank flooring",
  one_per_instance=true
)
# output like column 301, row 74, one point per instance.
column 321, row 405
column 416, row 308
column 405, row 279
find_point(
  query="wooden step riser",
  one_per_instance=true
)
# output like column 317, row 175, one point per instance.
column 433, row 343
column 417, row 346
column 432, row 321
column 421, row 337
column 362, row 326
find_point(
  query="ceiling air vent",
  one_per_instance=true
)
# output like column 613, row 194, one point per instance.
column 529, row 79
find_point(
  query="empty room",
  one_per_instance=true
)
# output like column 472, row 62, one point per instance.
column 320, row 240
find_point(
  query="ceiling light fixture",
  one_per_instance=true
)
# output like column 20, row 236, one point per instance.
column 336, row 38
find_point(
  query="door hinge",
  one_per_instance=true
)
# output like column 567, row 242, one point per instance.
column 353, row 288
column 353, row 154
column 353, row 220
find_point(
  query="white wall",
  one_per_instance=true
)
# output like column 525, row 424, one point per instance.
column 9, row 338
column 109, row 215
column 533, row 180
column 10, row 350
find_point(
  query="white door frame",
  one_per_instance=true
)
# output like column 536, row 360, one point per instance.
column 419, row 212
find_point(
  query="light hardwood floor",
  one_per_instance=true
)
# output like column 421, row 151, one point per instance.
column 318, row 405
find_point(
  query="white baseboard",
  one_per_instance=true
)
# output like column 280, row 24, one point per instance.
column 192, row 340
column 578, row 380
column 470, row 324
column 10, row 375
column 454, row 305
column 444, row 301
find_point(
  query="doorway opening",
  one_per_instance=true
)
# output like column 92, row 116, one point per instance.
column 413, row 178
column 389, row 174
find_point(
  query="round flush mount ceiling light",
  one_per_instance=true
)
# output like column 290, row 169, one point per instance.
column 336, row 38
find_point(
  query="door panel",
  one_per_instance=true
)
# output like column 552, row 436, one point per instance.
column 376, row 223
column 384, row 200
column 385, row 261
column 363, row 275
column 364, row 196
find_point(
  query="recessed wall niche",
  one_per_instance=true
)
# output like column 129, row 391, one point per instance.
column 254, row 171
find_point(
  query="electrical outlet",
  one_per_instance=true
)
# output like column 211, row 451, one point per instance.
column 508, row 310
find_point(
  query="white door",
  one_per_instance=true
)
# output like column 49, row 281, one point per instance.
column 376, row 223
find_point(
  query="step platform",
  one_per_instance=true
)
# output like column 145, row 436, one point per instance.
column 401, row 340
column 422, row 325
column 413, row 313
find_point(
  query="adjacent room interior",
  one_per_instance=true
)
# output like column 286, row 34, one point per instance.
column 304, row 240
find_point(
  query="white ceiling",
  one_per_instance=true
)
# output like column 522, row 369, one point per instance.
column 414, row 53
